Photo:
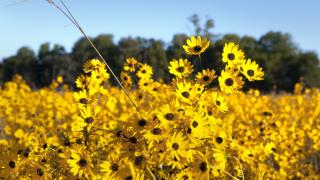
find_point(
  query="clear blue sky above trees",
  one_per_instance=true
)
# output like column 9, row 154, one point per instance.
column 33, row 22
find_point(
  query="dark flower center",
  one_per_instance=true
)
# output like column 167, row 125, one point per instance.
column 185, row 177
column 218, row 103
column 89, row 120
column 206, row 78
column 169, row 116
column 231, row 56
column 189, row 130
column 128, row 178
column 67, row 143
column 143, row 71
column 180, row 69
column 203, row 166
column 12, row 164
column 185, row 94
column 82, row 162
column 266, row 113
column 197, row 48
column 142, row 122
column 114, row 167
column 156, row 131
column 229, row 82
column 195, row 124
column 250, row 72
column 125, row 78
column 40, row 172
column 83, row 101
column 175, row 146
column 219, row 140
column 78, row 141
column 26, row 153
column 138, row 160
column 133, row 140
column 45, row 146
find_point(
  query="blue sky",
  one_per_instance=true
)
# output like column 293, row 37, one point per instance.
column 34, row 22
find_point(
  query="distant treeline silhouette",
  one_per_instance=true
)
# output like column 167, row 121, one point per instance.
column 284, row 63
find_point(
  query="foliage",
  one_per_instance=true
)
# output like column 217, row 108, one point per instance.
column 283, row 62
column 200, row 126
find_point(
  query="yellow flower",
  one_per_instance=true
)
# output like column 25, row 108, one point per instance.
column 232, row 55
column 185, row 92
column 168, row 114
column 230, row 81
column 126, row 80
column 130, row 65
column 196, row 46
column 82, row 81
column 220, row 102
column 81, row 97
column 145, row 84
column 93, row 65
column 252, row 71
column 145, row 72
column 176, row 146
column 88, row 116
column 220, row 139
column 81, row 163
column 180, row 68
column 206, row 76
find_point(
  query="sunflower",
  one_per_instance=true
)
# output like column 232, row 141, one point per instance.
column 88, row 116
column 39, row 173
column 185, row 92
column 145, row 84
column 185, row 174
column 200, row 167
column 145, row 72
column 219, row 102
column 112, row 166
column 180, row 68
column 130, row 65
column 252, row 71
column 220, row 139
column 248, row 155
column 80, row 163
column 168, row 114
column 82, row 81
column 220, row 161
column 126, row 80
column 177, row 146
column 232, row 55
column 198, row 124
column 230, row 81
column 81, row 97
column 270, row 148
column 93, row 65
column 99, row 76
column 206, row 76
column 237, row 171
column 156, row 134
column 196, row 46
column 156, row 89
column 9, row 163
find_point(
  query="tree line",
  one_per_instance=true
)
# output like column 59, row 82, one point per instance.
column 283, row 62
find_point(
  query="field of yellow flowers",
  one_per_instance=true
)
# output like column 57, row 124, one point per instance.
column 188, row 129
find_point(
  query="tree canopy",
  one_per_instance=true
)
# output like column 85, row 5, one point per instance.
column 283, row 62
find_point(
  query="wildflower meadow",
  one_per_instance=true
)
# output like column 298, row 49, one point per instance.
column 201, row 124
